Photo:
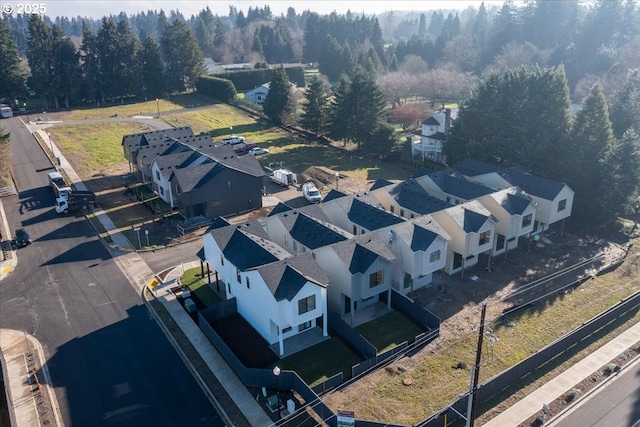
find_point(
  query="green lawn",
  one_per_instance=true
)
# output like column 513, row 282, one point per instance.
column 199, row 287
column 322, row 361
column 389, row 330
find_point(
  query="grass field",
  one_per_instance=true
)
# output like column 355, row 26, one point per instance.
column 198, row 286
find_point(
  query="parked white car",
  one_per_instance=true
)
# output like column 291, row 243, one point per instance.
column 256, row 151
column 234, row 139
column 311, row 192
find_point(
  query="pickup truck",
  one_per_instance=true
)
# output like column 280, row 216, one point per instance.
column 234, row 139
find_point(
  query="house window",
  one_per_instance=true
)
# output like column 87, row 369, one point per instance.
column 238, row 275
column 376, row 279
column 304, row 249
column 304, row 326
column 355, row 230
column 435, row 256
column 484, row 238
column 287, row 329
column 161, row 190
column 526, row 220
column 413, row 216
column 286, row 240
column 406, row 283
column 402, row 212
column 392, row 209
column 562, row 205
column 221, row 259
column 362, row 232
column 246, row 280
column 229, row 288
column 158, row 175
column 500, row 241
column 306, row 304
column 295, row 246
column 448, row 199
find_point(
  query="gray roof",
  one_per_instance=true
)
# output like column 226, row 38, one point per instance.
column 225, row 155
column 168, row 163
column 332, row 195
column 280, row 207
column 133, row 141
column 453, row 183
column 312, row 232
column 369, row 216
column 532, row 184
column 513, row 201
column 470, row 216
column 192, row 178
column 286, row 277
column 361, row 251
column 246, row 246
column 411, row 195
column 470, row 167
column 431, row 121
column 419, row 233
column 380, row 183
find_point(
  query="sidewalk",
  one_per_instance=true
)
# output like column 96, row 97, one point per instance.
column 559, row 385
column 32, row 400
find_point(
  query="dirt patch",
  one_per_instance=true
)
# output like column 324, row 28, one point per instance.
column 325, row 179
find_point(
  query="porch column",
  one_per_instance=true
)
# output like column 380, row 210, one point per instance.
column 208, row 274
column 217, row 282
column 389, row 298
column 280, row 342
column 201, row 269
column 324, row 324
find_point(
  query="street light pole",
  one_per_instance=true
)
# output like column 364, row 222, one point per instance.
column 146, row 232
column 137, row 230
column 158, row 107
column 276, row 372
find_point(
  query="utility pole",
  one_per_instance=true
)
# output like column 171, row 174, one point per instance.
column 471, row 410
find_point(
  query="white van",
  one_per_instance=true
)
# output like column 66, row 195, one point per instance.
column 6, row 112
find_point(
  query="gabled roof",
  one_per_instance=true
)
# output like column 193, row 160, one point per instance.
column 419, row 233
column 438, row 136
column 370, row 217
column 311, row 232
column 534, row 185
column 225, row 155
column 422, row 172
column 361, row 251
column 190, row 179
column 245, row 245
column 168, row 163
column 470, row 167
column 380, row 183
column 332, row 195
column 431, row 121
column 470, row 216
column 512, row 200
column 218, row 222
column 280, row 207
column 411, row 195
column 132, row 141
column 285, row 278
column 451, row 182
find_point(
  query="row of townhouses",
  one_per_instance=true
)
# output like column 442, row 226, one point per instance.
column 289, row 270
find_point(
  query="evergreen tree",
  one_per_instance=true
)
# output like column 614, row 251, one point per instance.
column 622, row 171
column 315, row 107
column 340, row 112
column 90, row 65
column 67, row 72
column 279, row 104
column 520, row 117
column 151, row 66
column 422, row 26
column 183, row 57
column 40, row 57
column 625, row 107
column 13, row 80
column 590, row 140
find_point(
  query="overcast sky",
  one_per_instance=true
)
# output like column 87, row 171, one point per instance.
column 98, row 9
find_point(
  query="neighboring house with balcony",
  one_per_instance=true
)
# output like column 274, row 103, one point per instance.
column 406, row 199
column 360, row 270
column 433, row 134
column 420, row 249
column 281, row 295
column 471, row 228
column 554, row 199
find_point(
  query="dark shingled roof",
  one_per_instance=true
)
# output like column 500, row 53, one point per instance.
column 439, row 136
column 313, row 234
column 470, row 167
column 371, row 217
column 218, row 223
column 419, row 233
column 134, row 140
column 285, row 278
column 168, row 163
column 422, row 172
column 192, row 178
column 534, row 185
column 411, row 195
column 379, row 184
column 513, row 203
column 431, row 121
column 225, row 155
column 358, row 253
column 422, row 238
column 470, row 216
column 200, row 254
column 451, row 182
column 280, row 207
column 332, row 195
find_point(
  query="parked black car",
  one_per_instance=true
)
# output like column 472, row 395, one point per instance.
column 22, row 238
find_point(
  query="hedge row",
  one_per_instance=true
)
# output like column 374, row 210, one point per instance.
column 216, row 87
column 249, row 79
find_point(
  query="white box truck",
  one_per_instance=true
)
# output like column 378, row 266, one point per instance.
column 283, row 177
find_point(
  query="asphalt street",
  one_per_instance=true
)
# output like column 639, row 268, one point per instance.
column 616, row 404
column 110, row 363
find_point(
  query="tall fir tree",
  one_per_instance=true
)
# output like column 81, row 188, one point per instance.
column 622, row 174
column 340, row 111
column 590, row 140
column 13, row 79
column 315, row 108
column 183, row 57
column 151, row 66
column 67, row 72
column 625, row 107
column 40, row 57
column 279, row 104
